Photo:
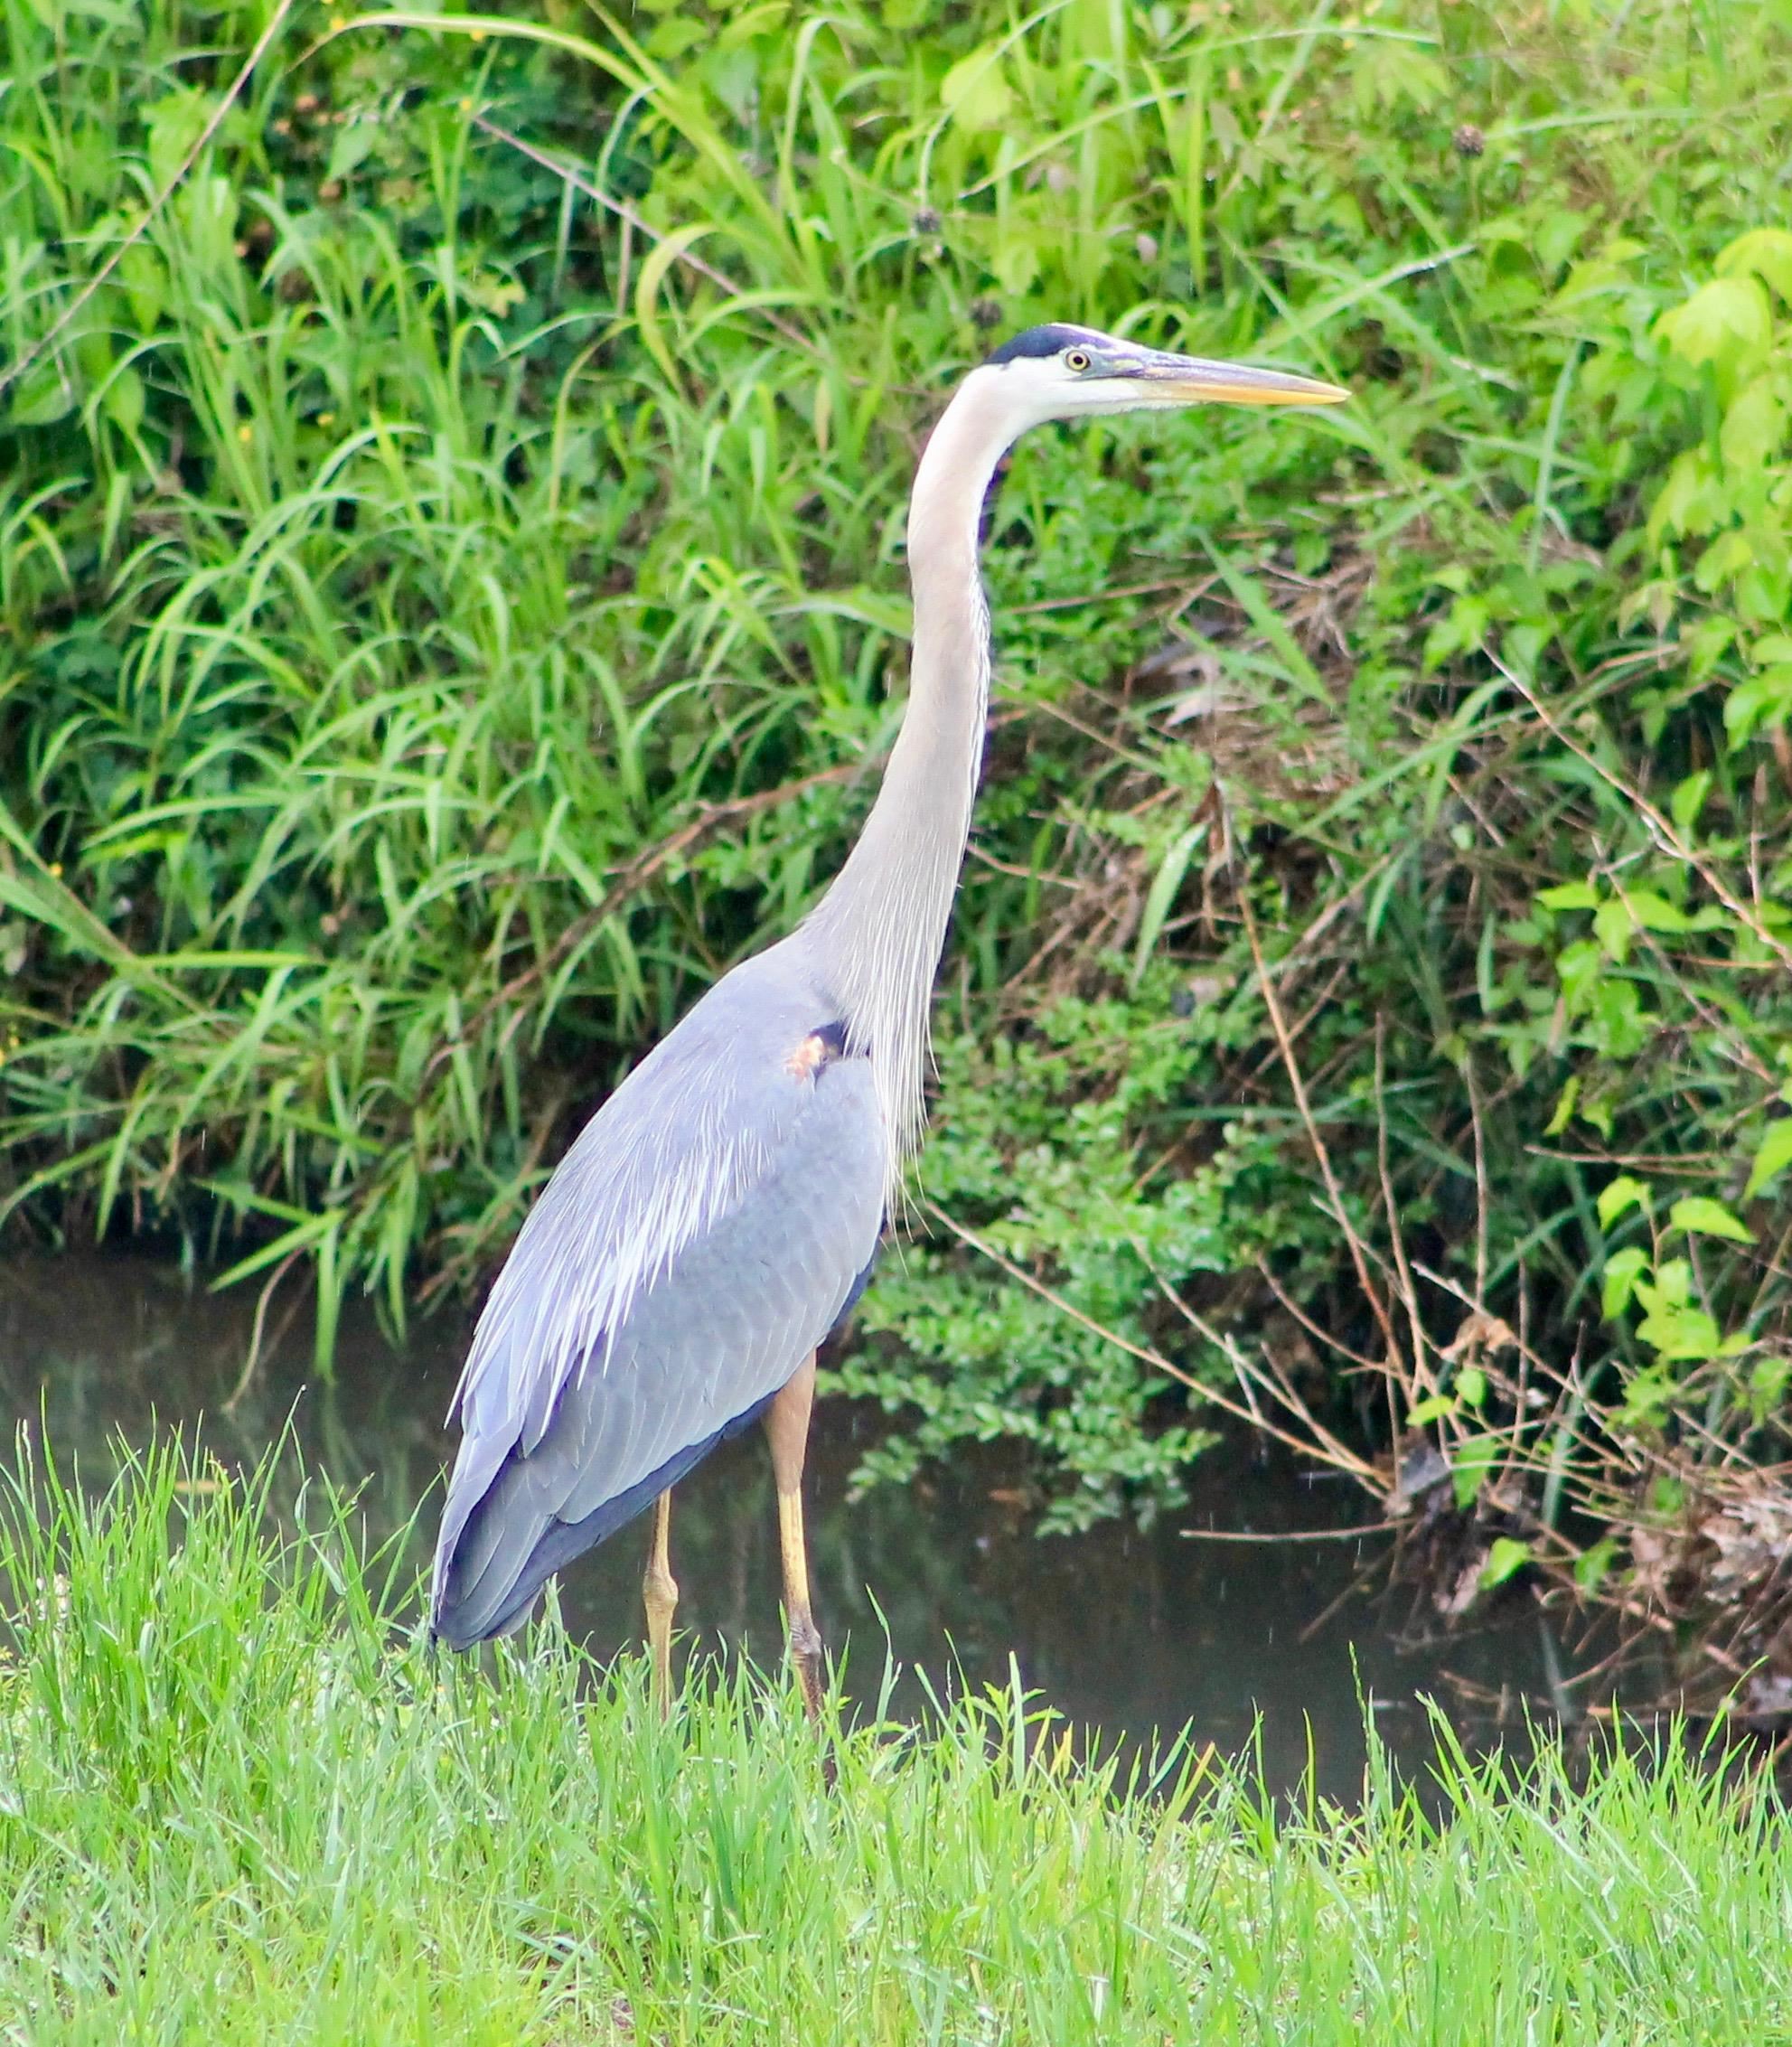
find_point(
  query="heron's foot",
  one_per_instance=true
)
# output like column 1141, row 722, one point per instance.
column 805, row 1655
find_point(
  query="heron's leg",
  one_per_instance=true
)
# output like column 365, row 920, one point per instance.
column 787, row 1431
column 659, row 1592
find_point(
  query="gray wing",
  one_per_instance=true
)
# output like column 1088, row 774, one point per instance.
column 696, row 1243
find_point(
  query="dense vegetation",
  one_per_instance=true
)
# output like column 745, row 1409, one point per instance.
column 451, row 575
column 237, row 1807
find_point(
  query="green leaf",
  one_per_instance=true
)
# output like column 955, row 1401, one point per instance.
column 1388, row 73
column 975, row 93
column 1557, row 233
column 1760, row 704
column 1729, row 556
column 123, row 400
column 1673, row 1284
column 1507, row 1556
column 1570, row 895
column 1430, row 1409
column 1612, row 926
column 1469, row 1468
column 144, row 278
column 1754, row 425
column 1680, row 1335
column 1564, row 1107
column 1703, row 1217
column 45, row 393
column 1723, row 321
column 1619, row 1197
column 1647, row 1399
column 176, row 123
column 1706, row 644
column 1688, row 799
column 1162, row 894
column 1653, row 912
column 1579, row 967
column 1622, row 1270
column 1772, row 1156
column 1016, row 266
column 1764, row 252
column 1471, row 1385
column 1766, row 1387
column 1620, row 1029
column 350, row 149
column 1592, row 1565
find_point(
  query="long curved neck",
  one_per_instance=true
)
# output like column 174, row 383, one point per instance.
column 879, row 931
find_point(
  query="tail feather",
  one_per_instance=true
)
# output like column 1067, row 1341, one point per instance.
column 491, row 1571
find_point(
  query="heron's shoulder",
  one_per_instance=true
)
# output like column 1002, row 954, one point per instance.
column 755, row 1006
column 729, row 1059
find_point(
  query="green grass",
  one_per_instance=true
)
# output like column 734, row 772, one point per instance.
column 238, row 1801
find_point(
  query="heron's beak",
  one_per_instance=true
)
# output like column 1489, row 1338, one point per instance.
column 1191, row 380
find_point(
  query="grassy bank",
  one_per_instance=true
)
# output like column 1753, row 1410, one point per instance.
column 453, row 607
column 240, row 1803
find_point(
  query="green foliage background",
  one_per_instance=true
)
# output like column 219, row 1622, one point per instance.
column 453, row 608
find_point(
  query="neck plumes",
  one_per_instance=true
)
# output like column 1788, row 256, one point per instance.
column 879, row 931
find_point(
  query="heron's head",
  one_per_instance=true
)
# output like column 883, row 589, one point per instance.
column 1061, row 373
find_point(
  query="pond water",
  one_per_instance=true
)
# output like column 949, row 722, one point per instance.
column 1122, row 1631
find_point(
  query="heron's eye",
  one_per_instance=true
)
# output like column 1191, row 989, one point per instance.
column 1076, row 358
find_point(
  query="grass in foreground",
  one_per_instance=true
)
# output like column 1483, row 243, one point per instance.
column 238, row 1803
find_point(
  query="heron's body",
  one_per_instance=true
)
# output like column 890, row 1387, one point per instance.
column 597, row 1379
column 717, row 1216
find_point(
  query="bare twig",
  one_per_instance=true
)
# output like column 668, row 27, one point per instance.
column 1483, row 1204
column 1307, row 1322
column 1241, row 1410
column 1319, row 1442
column 1101, row 594
column 1279, row 1023
column 1474, row 1305
column 1358, row 1583
column 1409, row 1293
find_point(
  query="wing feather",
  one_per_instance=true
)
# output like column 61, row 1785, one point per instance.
column 675, row 1149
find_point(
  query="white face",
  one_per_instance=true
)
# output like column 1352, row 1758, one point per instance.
column 1095, row 374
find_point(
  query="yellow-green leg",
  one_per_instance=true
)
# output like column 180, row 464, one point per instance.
column 659, row 1592
column 787, row 1431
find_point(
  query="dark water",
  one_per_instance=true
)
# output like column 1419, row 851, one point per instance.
column 1124, row 1632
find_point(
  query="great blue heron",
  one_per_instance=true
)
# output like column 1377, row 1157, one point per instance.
column 719, row 1214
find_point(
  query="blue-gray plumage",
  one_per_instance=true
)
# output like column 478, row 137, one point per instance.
column 719, row 1215
column 756, row 1155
